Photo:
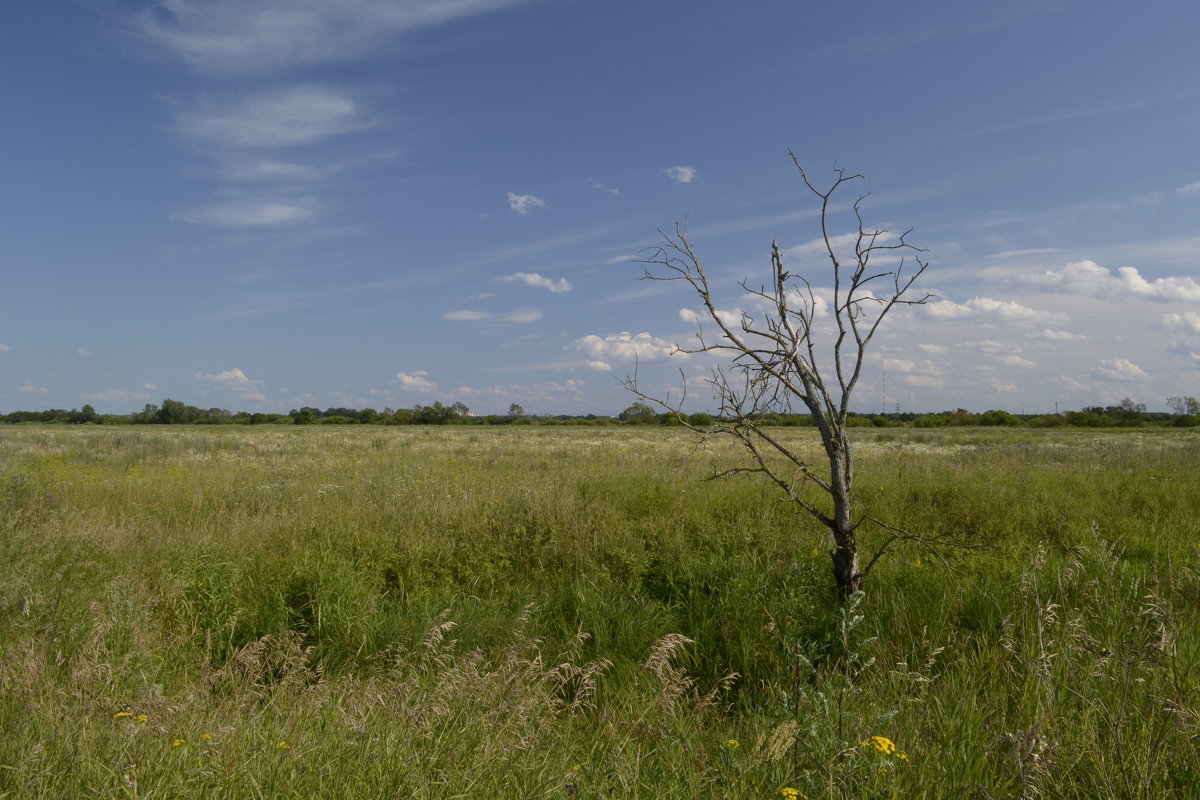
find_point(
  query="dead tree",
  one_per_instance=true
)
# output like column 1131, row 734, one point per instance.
column 793, row 348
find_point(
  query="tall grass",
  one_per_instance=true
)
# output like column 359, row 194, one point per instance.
column 578, row 613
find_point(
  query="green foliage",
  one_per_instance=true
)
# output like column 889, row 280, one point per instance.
column 403, row 609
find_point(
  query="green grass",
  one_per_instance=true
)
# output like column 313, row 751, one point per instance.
column 576, row 612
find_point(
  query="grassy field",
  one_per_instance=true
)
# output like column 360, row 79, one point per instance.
column 532, row 612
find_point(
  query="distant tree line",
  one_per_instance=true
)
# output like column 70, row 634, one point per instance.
column 1184, row 413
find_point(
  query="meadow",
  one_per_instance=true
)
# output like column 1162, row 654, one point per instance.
column 529, row 612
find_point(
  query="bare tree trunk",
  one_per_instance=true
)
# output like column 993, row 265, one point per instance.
column 845, row 553
column 789, row 348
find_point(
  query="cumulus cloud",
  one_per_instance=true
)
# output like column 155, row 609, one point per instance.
column 1088, row 277
column 524, row 203
column 600, row 187
column 1188, row 321
column 623, row 346
column 233, row 380
column 534, row 279
column 680, row 174
column 1016, row 361
column 1189, row 188
column 417, row 381
column 520, row 316
column 987, row 308
column 1118, row 369
column 83, row 353
column 250, row 214
column 28, row 387
column 299, row 115
column 228, row 37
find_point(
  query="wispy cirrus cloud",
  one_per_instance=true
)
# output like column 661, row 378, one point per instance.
column 230, row 37
column 540, row 281
column 297, row 115
column 520, row 316
column 113, row 394
column 250, row 213
column 1051, row 335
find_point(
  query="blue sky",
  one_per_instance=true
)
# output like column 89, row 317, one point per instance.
column 265, row 204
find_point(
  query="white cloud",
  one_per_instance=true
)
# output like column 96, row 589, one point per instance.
column 299, row 115
column 987, row 308
column 250, row 214
column 467, row 316
column 1118, row 369
column 1187, row 350
column 233, row 380
column 524, row 203
column 1187, row 321
column 417, row 381
column 520, row 316
column 600, row 187
column 1088, row 277
column 149, row 386
column 602, row 366
column 1056, row 336
column 989, row 346
column 83, row 353
column 31, row 389
column 623, row 346
column 272, row 170
column 534, row 279
column 237, row 36
column 5, row 348
column 1029, row 251
column 1016, row 361
column 113, row 394
column 1189, row 188
column 680, row 174
column 935, row 349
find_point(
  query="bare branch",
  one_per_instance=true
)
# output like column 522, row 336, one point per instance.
column 782, row 356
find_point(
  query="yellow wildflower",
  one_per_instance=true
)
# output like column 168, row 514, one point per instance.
column 885, row 746
column 788, row 793
column 732, row 744
column 178, row 742
column 142, row 717
column 284, row 746
column 881, row 743
column 206, row 737
column 122, row 714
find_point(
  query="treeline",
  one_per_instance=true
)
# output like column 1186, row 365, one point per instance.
column 1184, row 413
